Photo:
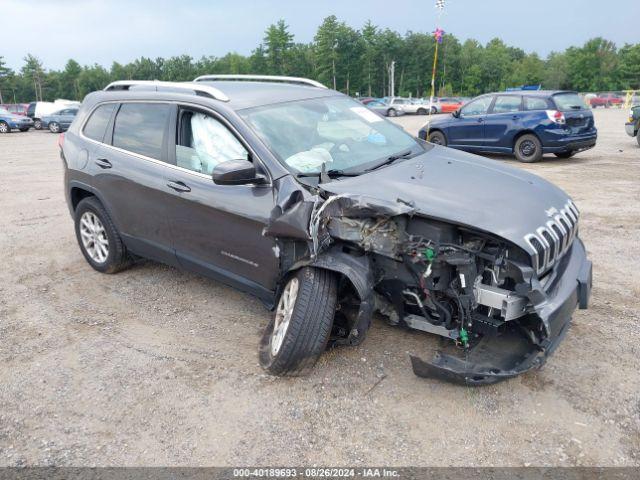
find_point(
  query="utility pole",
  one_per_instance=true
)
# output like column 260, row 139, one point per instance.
column 392, row 78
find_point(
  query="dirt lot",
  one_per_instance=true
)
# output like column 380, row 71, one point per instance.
column 155, row 366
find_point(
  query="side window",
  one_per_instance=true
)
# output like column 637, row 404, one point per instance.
column 140, row 128
column 204, row 142
column 507, row 104
column 97, row 124
column 532, row 103
column 477, row 107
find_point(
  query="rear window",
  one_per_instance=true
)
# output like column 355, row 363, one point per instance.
column 97, row 124
column 566, row 102
column 507, row 104
column 140, row 128
column 533, row 103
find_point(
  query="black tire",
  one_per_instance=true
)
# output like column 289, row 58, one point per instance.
column 392, row 112
column 37, row 124
column 306, row 335
column 54, row 127
column 24, row 129
column 421, row 111
column 528, row 148
column 4, row 127
column 438, row 138
column 565, row 154
column 117, row 258
column 434, row 110
column 638, row 138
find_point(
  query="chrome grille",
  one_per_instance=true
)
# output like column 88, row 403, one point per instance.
column 551, row 241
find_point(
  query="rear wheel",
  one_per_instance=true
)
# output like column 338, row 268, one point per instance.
column 434, row 110
column 37, row 124
column 98, row 237
column 528, row 149
column 422, row 111
column 392, row 112
column 4, row 127
column 54, row 127
column 565, row 154
column 638, row 138
column 300, row 329
column 437, row 138
column 24, row 129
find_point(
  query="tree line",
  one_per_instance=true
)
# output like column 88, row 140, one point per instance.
column 355, row 61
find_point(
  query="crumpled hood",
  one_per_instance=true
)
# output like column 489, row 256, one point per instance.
column 464, row 189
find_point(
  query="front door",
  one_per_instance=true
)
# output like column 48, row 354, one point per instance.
column 468, row 128
column 217, row 229
column 502, row 123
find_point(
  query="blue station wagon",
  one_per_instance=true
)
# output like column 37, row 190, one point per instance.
column 525, row 124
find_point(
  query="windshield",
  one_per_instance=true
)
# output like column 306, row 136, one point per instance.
column 336, row 132
column 569, row 101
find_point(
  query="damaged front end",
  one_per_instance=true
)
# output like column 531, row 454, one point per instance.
column 483, row 294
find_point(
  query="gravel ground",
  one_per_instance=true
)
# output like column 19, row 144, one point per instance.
column 154, row 366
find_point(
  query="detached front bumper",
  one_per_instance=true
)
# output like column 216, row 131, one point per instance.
column 511, row 353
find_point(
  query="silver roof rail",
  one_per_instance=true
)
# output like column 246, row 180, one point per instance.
column 265, row 78
column 190, row 86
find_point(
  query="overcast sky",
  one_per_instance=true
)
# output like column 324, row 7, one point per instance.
column 103, row 31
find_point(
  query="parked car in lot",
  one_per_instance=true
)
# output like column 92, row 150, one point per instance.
column 446, row 105
column 59, row 121
column 10, row 121
column 525, row 124
column 327, row 212
column 633, row 125
column 16, row 108
column 397, row 104
column 606, row 100
column 37, row 110
column 386, row 110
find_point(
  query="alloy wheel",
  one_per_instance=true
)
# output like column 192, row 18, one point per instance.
column 94, row 237
column 284, row 311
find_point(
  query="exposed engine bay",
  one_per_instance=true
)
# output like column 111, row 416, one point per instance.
column 474, row 289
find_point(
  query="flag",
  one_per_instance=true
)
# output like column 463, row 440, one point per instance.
column 438, row 34
column 440, row 4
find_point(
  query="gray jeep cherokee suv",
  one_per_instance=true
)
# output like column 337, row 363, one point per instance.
column 328, row 213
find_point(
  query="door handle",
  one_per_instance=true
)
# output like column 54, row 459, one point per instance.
column 103, row 163
column 179, row 186
column 480, row 120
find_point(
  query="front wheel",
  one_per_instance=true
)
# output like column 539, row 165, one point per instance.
column 565, row 154
column 391, row 112
column 422, row 111
column 37, row 124
column 54, row 127
column 437, row 138
column 434, row 110
column 4, row 127
column 300, row 329
column 528, row 149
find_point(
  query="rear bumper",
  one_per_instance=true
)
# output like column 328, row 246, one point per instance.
column 510, row 354
column 631, row 129
column 561, row 142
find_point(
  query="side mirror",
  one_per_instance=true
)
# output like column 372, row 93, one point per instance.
column 236, row 172
column 456, row 113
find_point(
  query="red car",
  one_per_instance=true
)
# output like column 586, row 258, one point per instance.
column 16, row 108
column 606, row 100
column 448, row 105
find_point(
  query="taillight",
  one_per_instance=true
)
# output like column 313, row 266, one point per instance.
column 61, row 140
column 556, row 116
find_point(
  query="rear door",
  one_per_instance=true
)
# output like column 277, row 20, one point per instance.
column 217, row 229
column 130, row 172
column 503, row 122
column 467, row 131
column 66, row 117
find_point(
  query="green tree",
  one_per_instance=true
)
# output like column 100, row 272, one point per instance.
column 629, row 66
column 34, row 73
column 593, row 66
column 5, row 73
column 326, row 50
column 277, row 43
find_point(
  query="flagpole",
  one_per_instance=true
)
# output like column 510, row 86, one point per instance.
column 438, row 37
